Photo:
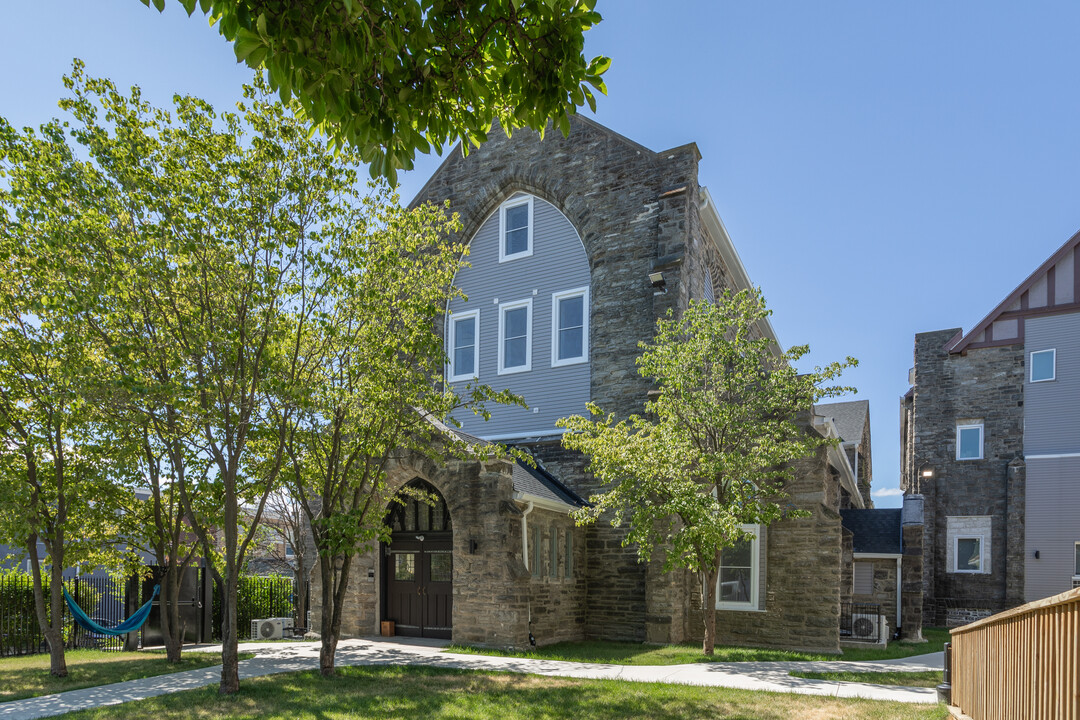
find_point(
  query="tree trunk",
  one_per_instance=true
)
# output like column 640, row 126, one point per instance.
column 51, row 627
column 131, row 604
column 230, row 660
column 328, row 647
column 708, row 611
column 171, row 629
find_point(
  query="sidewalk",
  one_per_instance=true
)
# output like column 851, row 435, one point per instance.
column 289, row 657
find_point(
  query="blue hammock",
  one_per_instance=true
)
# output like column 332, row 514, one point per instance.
column 132, row 624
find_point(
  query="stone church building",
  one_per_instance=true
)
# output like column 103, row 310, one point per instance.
column 577, row 246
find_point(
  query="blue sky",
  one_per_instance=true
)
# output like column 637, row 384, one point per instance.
column 883, row 168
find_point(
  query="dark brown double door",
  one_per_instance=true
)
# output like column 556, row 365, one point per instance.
column 419, row 575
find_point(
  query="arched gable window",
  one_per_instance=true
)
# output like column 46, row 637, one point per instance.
column 411, row 514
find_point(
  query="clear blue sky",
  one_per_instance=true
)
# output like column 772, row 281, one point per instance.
column 883, row 168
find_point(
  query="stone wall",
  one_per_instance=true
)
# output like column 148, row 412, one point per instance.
column 911, row 584
column 556, row 602
column 884, row 588
column 803, row 576
column 984, row 384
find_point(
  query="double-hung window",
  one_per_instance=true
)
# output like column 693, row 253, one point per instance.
column 969, row 442
column 1043, row 365
column 516, row 228
column 570, row 327
column 738, row 580
column 465, row 345
column 515, row 336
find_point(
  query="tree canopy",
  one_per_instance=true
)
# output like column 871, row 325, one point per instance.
column 714, row 448
column 393, row 77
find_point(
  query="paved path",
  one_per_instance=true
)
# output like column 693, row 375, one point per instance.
column 288, row 657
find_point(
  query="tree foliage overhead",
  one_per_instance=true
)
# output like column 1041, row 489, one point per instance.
column 716, row 446
column 393, row 77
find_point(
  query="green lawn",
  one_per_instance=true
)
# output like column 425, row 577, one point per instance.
column 401, row 693
column 620, row 653
column 28, row 676
column 930, row 678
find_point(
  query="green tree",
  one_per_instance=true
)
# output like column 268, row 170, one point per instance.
column 716, row 445
column 372, row 393
column 61, row 475
column 393, row 77
column 198, row 275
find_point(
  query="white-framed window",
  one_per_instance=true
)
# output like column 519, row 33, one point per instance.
column 516, row 228
column 969, row 442
column 464, row 345
column 289, row 552
column 1043, row 365
column 515, row 336
column 737, row 583
column 1077, row 568
column 570, row 327
column 967, row 554
column 862, row 581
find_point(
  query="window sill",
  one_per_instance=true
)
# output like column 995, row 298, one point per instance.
column 514, row 370
column 741, row 607
column 515, row 256
column 569, row 361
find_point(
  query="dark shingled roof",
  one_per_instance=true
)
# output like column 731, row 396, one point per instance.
column 874, row 531
column 539, row 482
column 849, row 417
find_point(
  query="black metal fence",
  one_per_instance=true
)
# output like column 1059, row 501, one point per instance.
column 104, row 599
column 20, row 634
column 860, row 621
column 259, row 597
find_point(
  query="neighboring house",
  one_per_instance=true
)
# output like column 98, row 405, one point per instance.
column 577, row 246
column 991, row 440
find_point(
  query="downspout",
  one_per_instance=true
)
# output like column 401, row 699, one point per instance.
column 899, row 586
column 525, row 557
column 525, row 537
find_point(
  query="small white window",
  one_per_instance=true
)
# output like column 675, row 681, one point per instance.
column 1043, row 365
column 969, row 442
column 569, row 327
column 737, row 582
column 968, row 554
column 516, row 228
column 863, row 578
column 515, row 337
column 465, row 345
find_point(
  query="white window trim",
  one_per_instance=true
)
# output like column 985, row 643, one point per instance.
column 555, row 298
column 503, row 307
column 452, row 374
column 755, row 568
column 956, row 555
column 1076, row 550
column 982, row 440
column 513, row 203
column 1053, row 365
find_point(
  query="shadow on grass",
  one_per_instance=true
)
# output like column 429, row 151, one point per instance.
column 441, row 694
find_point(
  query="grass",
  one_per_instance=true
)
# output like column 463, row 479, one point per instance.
column 929, row 678
column 28, row 676
column 622, row 653
column 407, row 693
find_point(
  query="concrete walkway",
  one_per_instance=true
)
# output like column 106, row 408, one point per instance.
column 289, row 657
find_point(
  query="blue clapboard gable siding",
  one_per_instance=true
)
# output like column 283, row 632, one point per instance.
column 1052, row 427
column 558, row 263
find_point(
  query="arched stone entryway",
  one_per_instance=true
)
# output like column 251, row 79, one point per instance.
column 418, row 566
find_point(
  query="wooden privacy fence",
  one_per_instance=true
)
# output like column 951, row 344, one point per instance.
column 1022, row 664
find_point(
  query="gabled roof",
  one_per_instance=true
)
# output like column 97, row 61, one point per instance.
column 537, row 483
column 1053, row 288
column 874, row 531
column 849, row 417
